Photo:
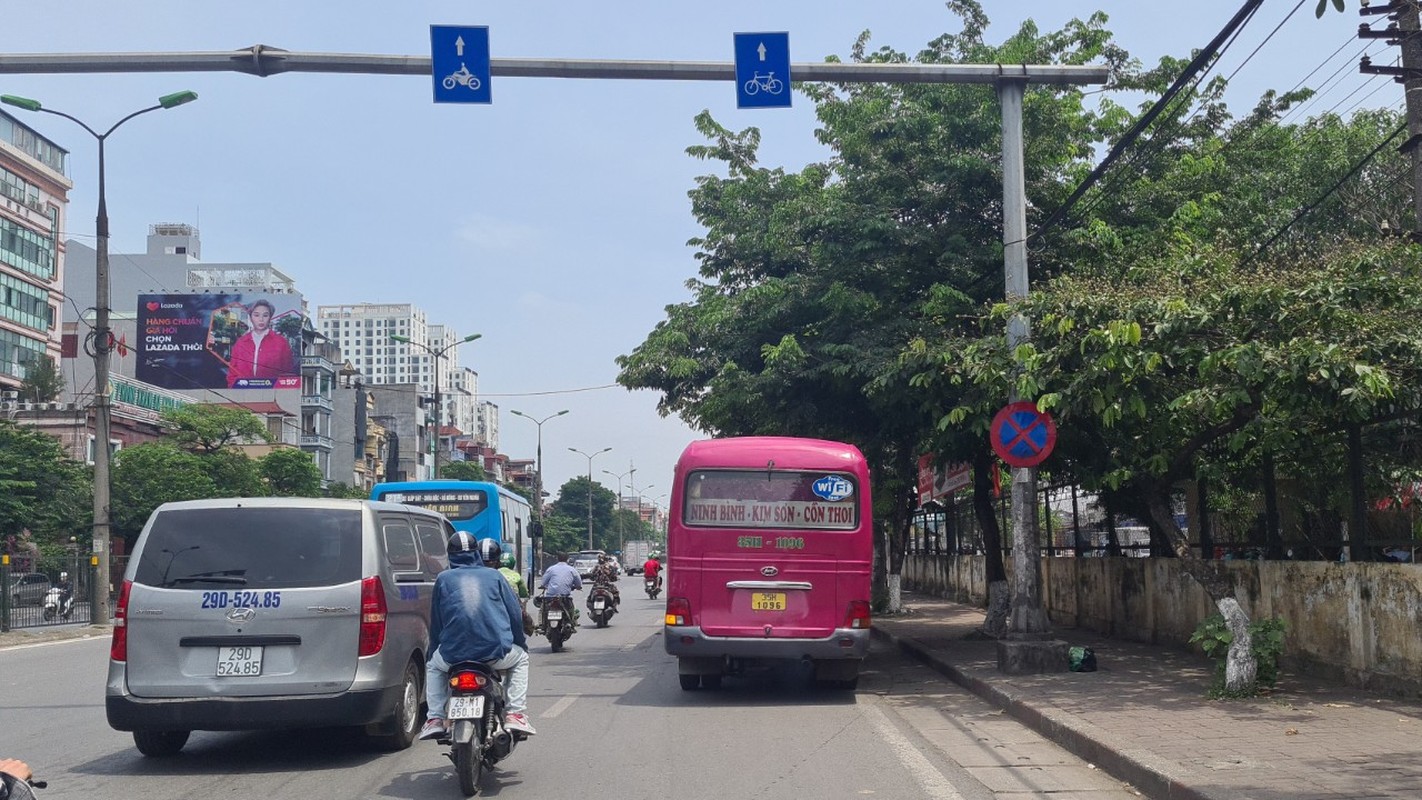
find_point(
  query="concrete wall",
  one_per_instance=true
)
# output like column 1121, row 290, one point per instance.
column 1356, row 623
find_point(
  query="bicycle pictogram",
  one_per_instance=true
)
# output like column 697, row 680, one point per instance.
column 767, row 83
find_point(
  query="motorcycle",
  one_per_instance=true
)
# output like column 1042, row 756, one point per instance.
column 477, row 736
column 58, row 604
column 653, row 587
column 555, row 619
column 602, row 604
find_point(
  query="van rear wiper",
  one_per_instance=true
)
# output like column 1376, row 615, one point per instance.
column 232, row 576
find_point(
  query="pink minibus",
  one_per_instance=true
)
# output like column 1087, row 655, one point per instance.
column 769, row 548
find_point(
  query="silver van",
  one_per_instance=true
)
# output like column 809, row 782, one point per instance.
column 273, row 612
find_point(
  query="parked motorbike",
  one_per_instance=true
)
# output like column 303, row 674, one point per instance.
column 602, row 604
column 653, row 587
column 58, row 604
column 477, row 736
column 555, row 619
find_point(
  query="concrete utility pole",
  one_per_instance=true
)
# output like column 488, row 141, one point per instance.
column 1406, row 32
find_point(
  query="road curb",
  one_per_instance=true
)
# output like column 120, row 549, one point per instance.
column 1136, row 767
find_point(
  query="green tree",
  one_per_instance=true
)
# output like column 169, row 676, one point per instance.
column 345, row 490
column 813, row 282
column 234, row 474
column 290, row 472
column 41, row 488
column 572, row 504
column 206, row 428
column 42, row 383
column 563, row 534
column 463, row 471
column 147, row 475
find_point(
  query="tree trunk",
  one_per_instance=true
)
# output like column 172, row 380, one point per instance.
column 999, row 598
column 1240, row 667
column 901, row 518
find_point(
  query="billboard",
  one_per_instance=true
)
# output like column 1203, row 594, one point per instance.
column 247, row 340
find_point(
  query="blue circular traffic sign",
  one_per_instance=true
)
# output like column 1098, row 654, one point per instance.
column 1021, row 435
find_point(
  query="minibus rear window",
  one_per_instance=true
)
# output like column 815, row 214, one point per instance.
column 801, row 500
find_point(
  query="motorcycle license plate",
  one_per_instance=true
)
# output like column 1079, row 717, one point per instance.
column 239, row 662
column 767, row 601
column 555, row 616
column 599, row 604
column 471, row 707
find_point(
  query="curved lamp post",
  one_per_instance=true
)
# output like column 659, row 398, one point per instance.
column 538, row 479
column 436, row 354
column 630, row 471
column 103, row 342
column 590, row 458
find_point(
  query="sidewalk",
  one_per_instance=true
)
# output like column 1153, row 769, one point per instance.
column 1144, row 717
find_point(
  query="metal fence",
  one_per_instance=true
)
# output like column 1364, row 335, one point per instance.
column 27, row 581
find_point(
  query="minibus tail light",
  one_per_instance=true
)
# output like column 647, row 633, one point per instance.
column 118, row 647
column 678, row 611
column 372, row 616
column 858, row 614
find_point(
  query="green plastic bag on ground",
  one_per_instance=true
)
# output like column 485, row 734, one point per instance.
column 1082, row 659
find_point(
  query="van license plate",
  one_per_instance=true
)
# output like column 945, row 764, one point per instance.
column 466, row 707
column 239, row 662
column 767, row 601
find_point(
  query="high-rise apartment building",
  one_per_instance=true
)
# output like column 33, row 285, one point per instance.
column 363, row 331
column 34, row 193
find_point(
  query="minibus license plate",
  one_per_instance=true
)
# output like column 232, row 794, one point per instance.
column 239, row 662
column 471, row 707
column 767, row 601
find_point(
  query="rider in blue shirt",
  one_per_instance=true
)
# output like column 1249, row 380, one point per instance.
column 560, row 580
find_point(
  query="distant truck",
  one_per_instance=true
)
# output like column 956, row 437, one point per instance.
column 634, row 555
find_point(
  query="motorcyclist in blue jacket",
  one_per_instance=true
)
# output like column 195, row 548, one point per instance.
column 474, row 616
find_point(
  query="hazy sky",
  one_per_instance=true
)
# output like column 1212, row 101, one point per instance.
column 553, row 221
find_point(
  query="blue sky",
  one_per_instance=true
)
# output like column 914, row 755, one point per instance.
column 553, row 221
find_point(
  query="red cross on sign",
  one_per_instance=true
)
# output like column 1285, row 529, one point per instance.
column 1021, row 435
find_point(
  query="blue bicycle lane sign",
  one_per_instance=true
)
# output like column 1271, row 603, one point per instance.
column 762, row 70
column 1021, row 435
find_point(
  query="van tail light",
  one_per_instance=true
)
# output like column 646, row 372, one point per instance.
column 467, row 682
column 678, row 611
column 372, row 616
column 858, row 614
column 118, row 647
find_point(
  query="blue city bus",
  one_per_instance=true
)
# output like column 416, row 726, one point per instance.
column 483, row 508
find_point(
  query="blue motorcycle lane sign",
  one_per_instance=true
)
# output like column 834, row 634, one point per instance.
column 459, row 64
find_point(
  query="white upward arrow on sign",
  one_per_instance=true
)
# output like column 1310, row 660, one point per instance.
column 459, row 48
column 761, row 50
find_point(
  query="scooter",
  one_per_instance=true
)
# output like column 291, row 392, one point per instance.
column 555, row 619
column 477, row 736
column 653, row 587
column 602, row 604
column 58, row 604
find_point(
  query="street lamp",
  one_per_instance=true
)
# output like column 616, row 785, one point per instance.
column 639, row 504
column 631, row 470
column 103, row 340
column 590, row 458
column 538, row 479
column 436, row 354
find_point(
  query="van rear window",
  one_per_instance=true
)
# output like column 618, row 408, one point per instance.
column 771, row 499
column 251, row 548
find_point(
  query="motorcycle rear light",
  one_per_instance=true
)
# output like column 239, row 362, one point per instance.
column 858, row 614
column 372, row 616
column 118, row 646
column 467, row 681
column 678, row 611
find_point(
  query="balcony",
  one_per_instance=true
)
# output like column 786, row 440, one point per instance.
column 316, row 401
column 315, row 440
column 318, row 362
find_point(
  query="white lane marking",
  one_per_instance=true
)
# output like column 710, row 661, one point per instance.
column 560, row 706
column 98, row 636
column 917, row 763
column 627, row 648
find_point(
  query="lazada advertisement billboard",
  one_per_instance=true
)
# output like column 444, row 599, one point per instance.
column 250, row 340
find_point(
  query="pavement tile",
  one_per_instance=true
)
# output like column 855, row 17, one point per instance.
column 1144, row 717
